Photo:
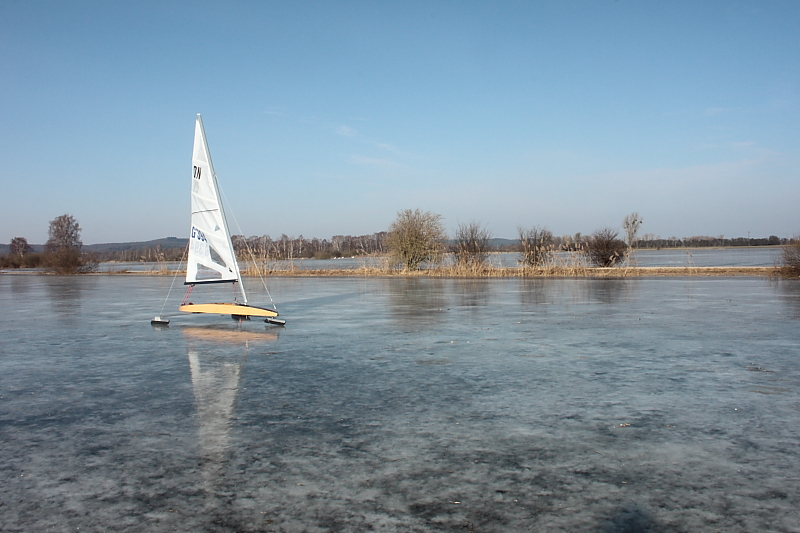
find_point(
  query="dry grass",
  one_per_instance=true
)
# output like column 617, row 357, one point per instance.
column 117, row 271
column 575, row 265
column 497, row 272
column 540, row 272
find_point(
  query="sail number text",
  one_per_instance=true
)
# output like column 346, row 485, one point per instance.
column 196, row 171
column 197, row 234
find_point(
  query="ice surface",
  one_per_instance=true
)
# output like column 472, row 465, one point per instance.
column 403, row 405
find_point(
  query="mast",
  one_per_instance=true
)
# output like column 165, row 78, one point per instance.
column 222, row 212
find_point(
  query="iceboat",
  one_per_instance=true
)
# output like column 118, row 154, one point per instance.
column 211, row 257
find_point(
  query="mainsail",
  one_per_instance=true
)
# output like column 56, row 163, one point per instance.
column 211, row 258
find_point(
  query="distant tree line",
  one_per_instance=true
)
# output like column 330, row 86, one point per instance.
column 650, row 241
column 414, row 239
column 285, row 247
column 149, row 254
column 703, row 241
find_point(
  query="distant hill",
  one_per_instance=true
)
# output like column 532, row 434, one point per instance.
column 37, row 248
column 166, row 243
column 498, row 242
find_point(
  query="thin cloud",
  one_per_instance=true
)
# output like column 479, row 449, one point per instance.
column 713, row 111
column 277, row 111
column 388, row 147
column 372, row 161
column 346, row 131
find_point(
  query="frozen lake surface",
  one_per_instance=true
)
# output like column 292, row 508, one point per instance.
column 498, row 405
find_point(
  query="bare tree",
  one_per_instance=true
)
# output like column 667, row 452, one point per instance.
column 416, row 237
column 536, row 245
column 63, row 246
column 631, row 224
column 19, row 246
column 471, row 244
column 604, row 248
column 64, row 232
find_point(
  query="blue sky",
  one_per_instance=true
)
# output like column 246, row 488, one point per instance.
column 326, row 118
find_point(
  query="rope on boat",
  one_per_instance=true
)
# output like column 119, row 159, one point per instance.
column 249, row 251
column 177, row 271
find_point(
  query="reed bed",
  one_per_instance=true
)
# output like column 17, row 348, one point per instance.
column 487, row 272
column 575, row 265
column 453, row 271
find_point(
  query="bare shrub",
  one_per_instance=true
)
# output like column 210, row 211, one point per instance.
column 789, row 262
column 604, row 249
column 416, row 237
column 471, row 244
column 536, row 245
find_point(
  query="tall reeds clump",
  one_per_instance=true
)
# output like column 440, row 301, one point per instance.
column 470, row 247
column 536, row 246
column 568, row 263
column 266, row 267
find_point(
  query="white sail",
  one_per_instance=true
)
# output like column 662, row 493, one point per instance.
column 211, row 258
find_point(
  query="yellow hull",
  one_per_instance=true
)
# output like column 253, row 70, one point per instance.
column 228, row 309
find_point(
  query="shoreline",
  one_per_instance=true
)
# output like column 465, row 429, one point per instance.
column 483, row 273
column 552, row 272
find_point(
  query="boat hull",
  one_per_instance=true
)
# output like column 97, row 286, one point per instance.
column 228, row 309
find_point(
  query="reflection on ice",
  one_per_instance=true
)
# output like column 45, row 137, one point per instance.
column 215, row 381
column 611, row 291
column 215, row 384
column 791, row 297
column 417, row 302
column 66, row 296
column 226, row 335
column 472, row 292
column 535, row 292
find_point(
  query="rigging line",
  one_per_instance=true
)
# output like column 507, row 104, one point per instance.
column 249, row 251
column 177, row 271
